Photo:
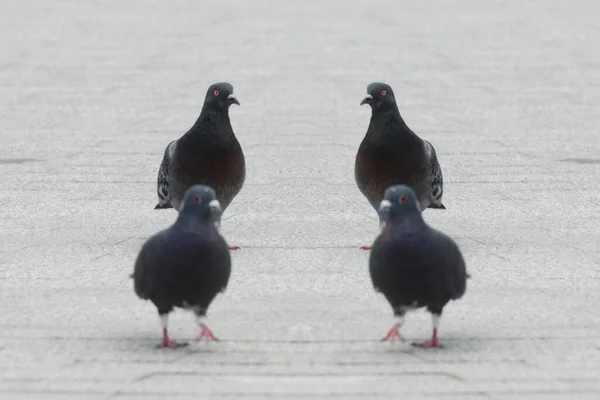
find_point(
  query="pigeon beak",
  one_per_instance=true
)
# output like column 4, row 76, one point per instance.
column 367, row 100
column 233, row 100
column 215, row 206
column 384, row 207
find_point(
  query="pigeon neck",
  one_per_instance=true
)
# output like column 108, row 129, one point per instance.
column 214, row 110
column 388, row 113
column 390, row 126
column 220, row 116
column 210, row 122
column 406, row 219
column 193, row 222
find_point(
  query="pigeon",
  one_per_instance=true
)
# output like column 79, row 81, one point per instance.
column 392, row 154
column 186, row 265
column 414, row 265
column 208, row 154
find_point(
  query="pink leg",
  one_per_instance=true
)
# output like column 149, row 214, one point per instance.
column 206, row 333
column 431, row 343
column 233, row 247
column 168, row 343
column 393, row 334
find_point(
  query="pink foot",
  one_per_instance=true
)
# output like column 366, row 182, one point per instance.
column 206, row 333
column 168, row 343
column 366, row 247
column 393, row 334
column 431, row 343
column 233, row 247
column 171, row 344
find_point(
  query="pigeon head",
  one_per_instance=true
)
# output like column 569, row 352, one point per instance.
column 399, row 201
column 219, row 96
column 200, row 201
column 380, row 97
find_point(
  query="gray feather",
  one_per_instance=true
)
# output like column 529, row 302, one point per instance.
column 436, row 189
column 162, row 187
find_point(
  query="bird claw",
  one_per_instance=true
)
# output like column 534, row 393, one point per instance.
column 233, row 247
column 207, row 334
column 366, row 247
column 393, row 334
column 171, row 344
column 429, row 344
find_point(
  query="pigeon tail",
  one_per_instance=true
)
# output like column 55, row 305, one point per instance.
column 162, row 206
column 437, row 207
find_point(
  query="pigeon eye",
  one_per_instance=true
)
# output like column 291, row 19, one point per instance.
column 216, row 92
column 196, row 199
column 403, row 199
column 384, row 92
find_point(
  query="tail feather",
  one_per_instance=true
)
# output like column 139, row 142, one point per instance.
column 162, row 206
column 437, row 207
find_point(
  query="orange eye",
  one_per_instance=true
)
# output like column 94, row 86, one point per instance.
column 216, row 92
column 384, row 92
column 403, row 199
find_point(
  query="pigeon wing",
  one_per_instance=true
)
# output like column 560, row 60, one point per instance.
column 376, row 260
column 162, row 187
column 144, row 271
column 459, row 274
column 437, row 180
column 454, row 265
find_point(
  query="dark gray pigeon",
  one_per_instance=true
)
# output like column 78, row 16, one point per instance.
column 208, row 154
column 412, row 264
column 392, row 154
column 186, row 265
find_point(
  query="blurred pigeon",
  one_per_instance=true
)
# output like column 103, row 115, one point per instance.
column 186, row 265
column 208, row 154
column 412, row 264
column 392, row 154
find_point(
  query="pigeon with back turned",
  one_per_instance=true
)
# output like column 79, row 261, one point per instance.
column 392, row 154
column 414, row 265
column 186, row 265
column 208, row 154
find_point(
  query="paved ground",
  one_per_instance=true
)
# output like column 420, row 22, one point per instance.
column 91, row 92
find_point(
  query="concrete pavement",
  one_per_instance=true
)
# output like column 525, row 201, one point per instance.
column 91, row 93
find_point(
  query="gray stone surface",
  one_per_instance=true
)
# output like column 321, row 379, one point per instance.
column 91, row 92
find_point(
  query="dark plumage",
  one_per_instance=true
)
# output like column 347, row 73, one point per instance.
column 186, row 265
column 208, row 154
column 412, row 264
column 392, row 154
